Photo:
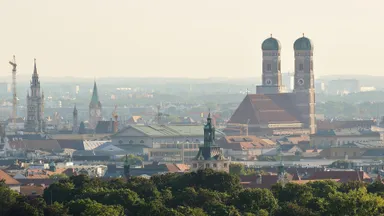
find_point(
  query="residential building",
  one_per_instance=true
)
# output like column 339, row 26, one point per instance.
column 244, row 147
column 338, row 137
column 150, row 135
column 9, row 181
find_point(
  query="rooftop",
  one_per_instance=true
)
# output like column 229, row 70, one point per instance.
column 166, row 130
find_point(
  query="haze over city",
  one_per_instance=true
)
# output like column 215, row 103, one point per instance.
column 194, row 39
column 191, row 108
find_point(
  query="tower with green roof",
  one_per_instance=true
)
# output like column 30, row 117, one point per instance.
column 271, row 67
column 304, row 81
column 210, row 155
column 95, row 108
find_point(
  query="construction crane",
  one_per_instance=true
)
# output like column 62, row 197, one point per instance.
column 14, row 101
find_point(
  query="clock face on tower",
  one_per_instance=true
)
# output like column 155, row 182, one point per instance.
column 268, row 81
column 300, row 82
column 98, row 113
column 92, row 112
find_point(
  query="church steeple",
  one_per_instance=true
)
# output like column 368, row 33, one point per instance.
column 75, row 126
column 209, row 132
column 35, row 104
column 95, row 114
column 35, row 83
column 95, row 95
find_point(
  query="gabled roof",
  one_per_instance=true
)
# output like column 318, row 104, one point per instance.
column 344, row 175
column 104, row 127
column 244, row 142
column 71, row 144
column 8, row 179
column 266, row 109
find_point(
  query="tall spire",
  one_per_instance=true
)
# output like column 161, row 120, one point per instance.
column 95, row 95
column 74, row 110
column 209, row 132
column 35, row 68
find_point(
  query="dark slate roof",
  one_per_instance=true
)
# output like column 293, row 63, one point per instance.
column 48, row 145
column 26, row 137
column 374, row 152
column 266, row 109
column 104, row 127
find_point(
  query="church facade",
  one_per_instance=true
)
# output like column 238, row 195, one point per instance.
column 272, row 111
column 35, row 105
column 95, row 109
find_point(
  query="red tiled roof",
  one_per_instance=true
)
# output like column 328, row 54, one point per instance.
column 264, row 109
column 307, row 181
column 344, row 176
column 243, row 142
column 8, row 179
column 29, row 190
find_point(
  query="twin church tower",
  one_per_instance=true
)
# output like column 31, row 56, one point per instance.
column 271, row 77
column 271, row 110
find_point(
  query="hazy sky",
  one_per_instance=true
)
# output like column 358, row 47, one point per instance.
column 180, row 38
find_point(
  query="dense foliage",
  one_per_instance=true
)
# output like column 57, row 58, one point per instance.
column 198, row 194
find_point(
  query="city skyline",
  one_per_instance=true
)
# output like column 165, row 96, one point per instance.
column 181, row 39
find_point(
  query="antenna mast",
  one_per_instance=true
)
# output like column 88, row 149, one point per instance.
column 14, row 101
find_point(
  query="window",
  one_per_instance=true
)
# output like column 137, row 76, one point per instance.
column 269, row 67
column 120, row 142
column 131, row 142
column 301, row 67
column 207, row 165
column 215, row 165
column 225, row 165
column 141, row 141
column 194, row 165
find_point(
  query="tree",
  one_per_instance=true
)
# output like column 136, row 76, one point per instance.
column 294, row 209
column 236, row 169
column 87, row 207
column 82, row 128
column 253, row 200
column 354, row 203
column 133, row 159
column 56, row 209
column 291, row 192
column 191, row 211
column 8, row 197
column 58, row 176
column 59, row 192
